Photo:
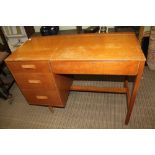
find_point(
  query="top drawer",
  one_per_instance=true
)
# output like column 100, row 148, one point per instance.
column 96, row 67
column 28, row 66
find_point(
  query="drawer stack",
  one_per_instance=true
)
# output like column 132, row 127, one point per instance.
column 36, row 82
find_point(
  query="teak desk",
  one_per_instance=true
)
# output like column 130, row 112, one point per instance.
column 42, row 66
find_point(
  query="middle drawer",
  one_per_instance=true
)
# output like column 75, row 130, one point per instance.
column 35, row 81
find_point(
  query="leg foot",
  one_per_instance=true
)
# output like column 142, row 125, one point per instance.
column 51, row 109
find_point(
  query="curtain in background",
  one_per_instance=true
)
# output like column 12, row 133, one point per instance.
column 151, row 50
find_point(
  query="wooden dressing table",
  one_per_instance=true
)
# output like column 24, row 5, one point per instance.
column 42, row 66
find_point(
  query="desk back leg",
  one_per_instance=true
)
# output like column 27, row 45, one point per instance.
column 134, row 92
column 128, row 92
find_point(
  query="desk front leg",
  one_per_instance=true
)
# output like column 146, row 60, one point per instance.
column 134, row 92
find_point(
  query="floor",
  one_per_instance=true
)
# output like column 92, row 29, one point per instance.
column 85, row 109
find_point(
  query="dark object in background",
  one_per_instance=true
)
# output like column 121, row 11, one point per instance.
column 6, row 79
column 128, row 29
column 145, row 44
column 2, row 48
column 49, row 30
column 79, row 29
column 4, row 41
column 29, row 30
column 92, row 29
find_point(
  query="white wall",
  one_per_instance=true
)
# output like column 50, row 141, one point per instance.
column 37, row 28
column 67, row 27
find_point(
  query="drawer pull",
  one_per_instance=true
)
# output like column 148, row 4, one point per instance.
column 28, row 66
column 42, row 97
column 34, row 81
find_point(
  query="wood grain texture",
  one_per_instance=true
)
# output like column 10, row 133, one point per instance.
column 41, row 97
column 35, row 81
column 128, row 92
column 95, row 67
column 109, row 46
column 98, row 89
column 29, row 66
column 63, row 85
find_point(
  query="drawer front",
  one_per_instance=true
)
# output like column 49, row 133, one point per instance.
column 29, row 66
column 95, row 67
column 35, row 81
column 42, row 98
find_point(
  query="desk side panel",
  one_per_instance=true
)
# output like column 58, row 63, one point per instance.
column 63, row 84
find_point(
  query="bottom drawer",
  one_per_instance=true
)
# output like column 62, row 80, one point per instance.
column 43, row 97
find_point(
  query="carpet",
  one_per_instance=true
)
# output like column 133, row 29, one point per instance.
column 85, row 110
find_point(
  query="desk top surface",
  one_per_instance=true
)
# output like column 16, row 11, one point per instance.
column 98, row 47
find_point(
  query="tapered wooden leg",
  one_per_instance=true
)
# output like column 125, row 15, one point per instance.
column 134, row 92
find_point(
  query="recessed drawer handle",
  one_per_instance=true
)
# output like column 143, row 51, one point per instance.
column 34, row 81
column 42, row 97
column 28, row 66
